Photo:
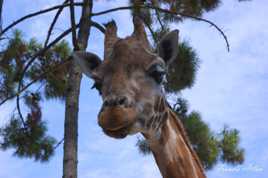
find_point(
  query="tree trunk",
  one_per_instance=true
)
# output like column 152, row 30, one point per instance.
column 72, row 99
column 71, row 124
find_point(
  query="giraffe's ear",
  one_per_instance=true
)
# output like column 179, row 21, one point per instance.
column 88, row 62
column 168, row 47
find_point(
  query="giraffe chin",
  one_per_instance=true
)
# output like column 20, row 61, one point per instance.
column 117, row 121
column 121, row 133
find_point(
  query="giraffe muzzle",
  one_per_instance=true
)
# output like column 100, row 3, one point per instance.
column 122, row 101
column 116, row 121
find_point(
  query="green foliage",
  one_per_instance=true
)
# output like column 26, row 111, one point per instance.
column 209, row 5
column 33, row 46
column 13, row 58
column 231, row 153
column 28, row 137
column 181, row 107
column 182, row 71
column 6, row 83
column 18, row 52
column 187, row 7
column 27, row 142
column 55, row 82
column 11, row 64
column 144, row 14
column 203, row 141
column 143, row 146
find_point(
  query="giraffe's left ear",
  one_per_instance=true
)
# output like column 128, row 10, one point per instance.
column 168, row 47
column 88, row 62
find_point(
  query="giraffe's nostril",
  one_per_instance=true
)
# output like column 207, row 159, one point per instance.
column 105, row 103
column 119, row 101
column 122, row 101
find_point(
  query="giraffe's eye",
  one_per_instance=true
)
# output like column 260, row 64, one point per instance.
column 97, row 85
column 157, row 72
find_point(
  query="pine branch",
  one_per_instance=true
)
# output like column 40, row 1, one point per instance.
column 34, row 14
column 155, row 3
column 31, row 83
column 39, row 53
column 159, row 20
column 151, row 31
column 42, row 51
column 54, row 22
column 168, row 12
column 28, row 85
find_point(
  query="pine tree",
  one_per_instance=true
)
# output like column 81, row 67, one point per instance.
column 28, row 137
column 24, row 63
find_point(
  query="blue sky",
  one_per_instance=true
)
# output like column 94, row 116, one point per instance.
column 230, row 89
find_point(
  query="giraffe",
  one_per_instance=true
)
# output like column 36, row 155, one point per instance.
column 129, row 80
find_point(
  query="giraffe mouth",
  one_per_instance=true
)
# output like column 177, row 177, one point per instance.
column 118, row 133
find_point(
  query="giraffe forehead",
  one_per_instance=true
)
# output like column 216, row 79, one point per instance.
column 131, row 51
column 124, row 67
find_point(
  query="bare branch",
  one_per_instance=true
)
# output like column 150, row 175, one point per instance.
column 169, row 12
column 98, row 26
column 53, row 23
column 1, row 12
column 74, row 40
column 19, row 111
column 58, row 144
column 36, row 14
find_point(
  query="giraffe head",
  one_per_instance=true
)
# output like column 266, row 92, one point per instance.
column 129, row 79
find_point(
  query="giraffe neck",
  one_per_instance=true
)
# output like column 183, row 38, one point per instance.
column 172, row 151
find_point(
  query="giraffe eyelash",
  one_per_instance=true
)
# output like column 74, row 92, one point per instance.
column 97, row 86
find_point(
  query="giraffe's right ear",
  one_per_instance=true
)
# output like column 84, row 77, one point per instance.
column 88, row 62
column 168, row 47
